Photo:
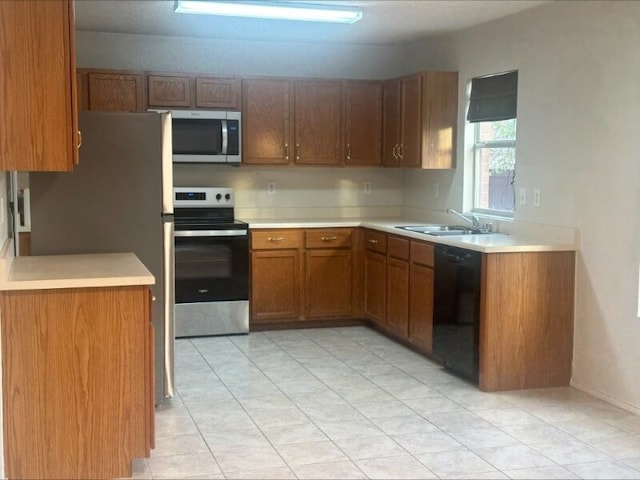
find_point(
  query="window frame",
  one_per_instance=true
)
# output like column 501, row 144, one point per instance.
column 477, row 148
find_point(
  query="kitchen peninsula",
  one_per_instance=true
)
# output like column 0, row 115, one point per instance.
column 385, row 275
column 77, row 359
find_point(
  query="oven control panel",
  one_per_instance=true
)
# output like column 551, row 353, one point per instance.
column 206, row 197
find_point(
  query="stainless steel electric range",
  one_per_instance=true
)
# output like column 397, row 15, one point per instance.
column 211, row 263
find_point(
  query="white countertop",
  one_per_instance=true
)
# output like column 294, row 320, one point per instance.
column 486, row 243
column 75, row 271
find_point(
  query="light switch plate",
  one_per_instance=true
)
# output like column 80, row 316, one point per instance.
column 367, row 187
column 523, row 196
column 271, row 188
column 536, row 197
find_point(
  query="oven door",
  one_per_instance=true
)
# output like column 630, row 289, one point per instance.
column 211, row 265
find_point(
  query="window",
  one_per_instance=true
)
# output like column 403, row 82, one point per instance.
column 492, row 111
column 495, row 167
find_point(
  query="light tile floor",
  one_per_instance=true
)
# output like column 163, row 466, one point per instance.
column 350, row 403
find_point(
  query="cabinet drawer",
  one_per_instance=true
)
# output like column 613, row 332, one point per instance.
column 275, row 239
column 398, row 247
column 375, row 241
column 327, row 238
column 422, row 253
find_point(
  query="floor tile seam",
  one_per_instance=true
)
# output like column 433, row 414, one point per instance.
column 577, row 440
column 502, row 471
column 619, row 463
column 495, row 469
column 398, row 456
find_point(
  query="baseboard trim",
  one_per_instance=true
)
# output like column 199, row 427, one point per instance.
column 635, row 409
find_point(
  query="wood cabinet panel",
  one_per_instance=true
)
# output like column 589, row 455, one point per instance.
column 421, row 280
column 398, row 297
column 526, row 320
column 217, row 92
column 440, row 118
column 24, row 245
column 266, row 121
column 375, row 241
column 328, row 238
column 38, row 112
column 411, row 129
column 275, row 285
column 398, row 247
column 391, row 122
column 275, row 239
column 363, row 122
column 75, row 393
column 115, row 92
column 318, row 122
column 422, row 254
column 328, row 283
column 375, row 286
column 169, row 91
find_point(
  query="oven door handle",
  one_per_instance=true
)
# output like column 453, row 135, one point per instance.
column 210, row 233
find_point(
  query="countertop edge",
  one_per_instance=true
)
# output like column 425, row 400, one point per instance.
column 480, row 243
column 74, row 271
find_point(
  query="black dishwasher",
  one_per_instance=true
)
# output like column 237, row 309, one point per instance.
column 456, row 310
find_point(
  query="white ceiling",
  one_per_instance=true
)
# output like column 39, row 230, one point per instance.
column 385, row 22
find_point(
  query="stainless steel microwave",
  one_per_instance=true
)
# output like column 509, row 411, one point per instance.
column 206, row 136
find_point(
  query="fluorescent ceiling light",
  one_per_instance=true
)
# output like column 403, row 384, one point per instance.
column 272, row 10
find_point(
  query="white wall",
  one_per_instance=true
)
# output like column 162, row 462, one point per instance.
column 578, row 141
column 233, row 57
column 301, row 191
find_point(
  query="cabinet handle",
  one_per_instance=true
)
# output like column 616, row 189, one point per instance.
column 286, row 152
column 153, row 298
column 400, row 152
column 79, row 139
column 328, row 239
column 394, row 152
column 348, row 152
column 371, row 240
column 275, row 239
column 297, row 151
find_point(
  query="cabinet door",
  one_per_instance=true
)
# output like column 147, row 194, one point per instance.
column 363, row 123
column 440, row 119
column 318, row 124
column 375, row 279
column 275, row 285
column 266, row 121
column 169, row 91
column 82, row 352
column 214, row 92
column 398, row 297
column 38, row 113
column 421, row 305
column 391, row 123
column 410, row 151
column 115, row 92
column 328, row 283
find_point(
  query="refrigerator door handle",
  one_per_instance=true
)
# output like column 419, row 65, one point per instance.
column 167, row 164
column 225, row 137
column 169, row 303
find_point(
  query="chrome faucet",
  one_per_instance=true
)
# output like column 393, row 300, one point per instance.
column 468, row 216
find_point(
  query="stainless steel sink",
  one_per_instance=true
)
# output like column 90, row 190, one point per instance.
column 442, row 230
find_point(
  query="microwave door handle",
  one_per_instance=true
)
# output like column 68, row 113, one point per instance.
column 225, row 137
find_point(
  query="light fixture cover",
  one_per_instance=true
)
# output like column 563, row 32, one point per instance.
column 272, row 10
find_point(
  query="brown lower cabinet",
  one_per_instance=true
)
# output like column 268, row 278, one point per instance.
column 526, row 310
column 77, row 381
column 299, row 274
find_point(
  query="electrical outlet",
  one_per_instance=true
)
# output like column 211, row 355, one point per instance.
column 523, row 196
column 367, row 187
column 271, row 188
column 536, row 197
column 436, row 189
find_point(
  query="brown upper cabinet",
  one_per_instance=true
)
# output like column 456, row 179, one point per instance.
column 193, row 91
column 318, row 122
column 420, row 120
column 266, row 121
column 363, row 122
column 169, row 91
column 38, row 113
column 112, row 91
